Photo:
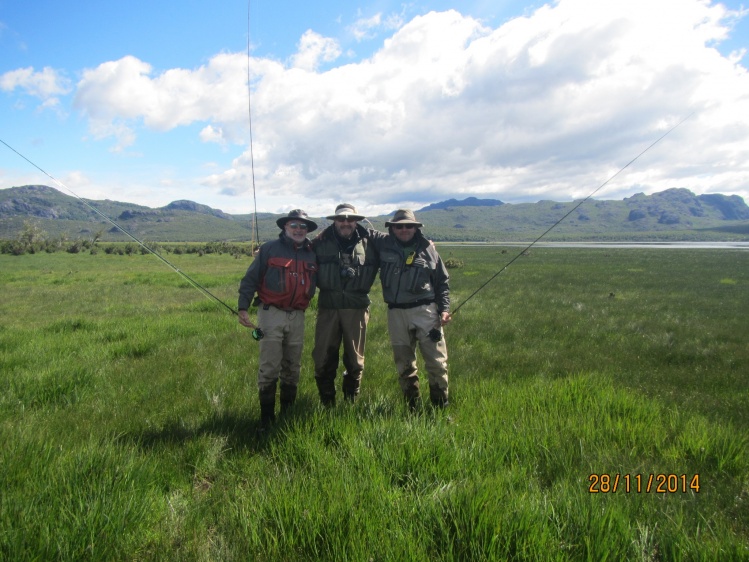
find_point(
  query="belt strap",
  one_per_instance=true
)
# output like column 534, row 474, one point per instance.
column 414, row 304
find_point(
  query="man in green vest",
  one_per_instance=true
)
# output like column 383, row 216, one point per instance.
column 347, row 266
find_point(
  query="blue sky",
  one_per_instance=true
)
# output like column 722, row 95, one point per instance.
column 383, row 104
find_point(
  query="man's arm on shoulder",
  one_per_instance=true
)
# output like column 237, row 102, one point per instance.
column 377, row 238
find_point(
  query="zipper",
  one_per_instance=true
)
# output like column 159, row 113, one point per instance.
column 295, row 274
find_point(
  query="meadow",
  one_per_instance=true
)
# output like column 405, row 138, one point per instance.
column 599, row 410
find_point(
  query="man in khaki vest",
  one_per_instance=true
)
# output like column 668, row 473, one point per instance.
column 415, row 286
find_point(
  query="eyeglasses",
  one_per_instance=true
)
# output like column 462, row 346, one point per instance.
column 402, row 226
column 344, row 219
column 296, row 225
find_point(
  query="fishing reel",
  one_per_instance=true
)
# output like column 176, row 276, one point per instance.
column 257, row 334
column 435, row 335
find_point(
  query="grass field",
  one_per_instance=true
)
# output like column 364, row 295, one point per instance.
column 128, row 410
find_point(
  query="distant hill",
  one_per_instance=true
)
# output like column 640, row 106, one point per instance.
column 179, row 221
column 184, row 205
column 468, row 202
column 674, row 214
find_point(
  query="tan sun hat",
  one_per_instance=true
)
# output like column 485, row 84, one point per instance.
column 404, row 216
column 346, row 211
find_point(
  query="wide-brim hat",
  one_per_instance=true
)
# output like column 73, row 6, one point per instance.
column 299, row 215
column 345, row 211
column 404, row 216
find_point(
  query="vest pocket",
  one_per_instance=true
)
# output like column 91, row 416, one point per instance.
column 419, row 280
column 389, row 263
column 277, row 275
column 309, row 277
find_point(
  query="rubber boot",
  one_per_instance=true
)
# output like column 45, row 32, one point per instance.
column 326, row 389
column 351, row 386
column 413, row 397
column 288, row 396
column 267, row 396
column 409, row 382
column 438, row 397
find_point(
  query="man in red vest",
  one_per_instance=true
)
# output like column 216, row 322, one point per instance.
column 284, row 276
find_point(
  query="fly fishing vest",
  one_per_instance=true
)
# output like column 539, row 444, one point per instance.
column 413, row 280
column 283, row 276
column 345, row 276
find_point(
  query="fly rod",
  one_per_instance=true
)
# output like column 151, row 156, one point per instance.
column 553, row 226
column 192, row 281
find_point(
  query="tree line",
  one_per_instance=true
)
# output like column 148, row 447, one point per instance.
column 33, row 239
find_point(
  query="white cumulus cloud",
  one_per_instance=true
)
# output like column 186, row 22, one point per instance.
column 543, row 106
column 46, row 84
column 314, row 49
column 118, row 95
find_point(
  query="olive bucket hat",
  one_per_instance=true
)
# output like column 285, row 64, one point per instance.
column 404, row 216
column 299, row 215
column 345, row 211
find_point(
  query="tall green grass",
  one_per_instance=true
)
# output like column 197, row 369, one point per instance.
column 128, row 412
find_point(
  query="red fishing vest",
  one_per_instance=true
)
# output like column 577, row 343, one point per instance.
column 289, row 283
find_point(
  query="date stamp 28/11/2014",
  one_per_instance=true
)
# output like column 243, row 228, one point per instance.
column 664, row 483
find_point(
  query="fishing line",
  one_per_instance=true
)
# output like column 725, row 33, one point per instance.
column 192, row 281
column 529, row 246
column 255, row 226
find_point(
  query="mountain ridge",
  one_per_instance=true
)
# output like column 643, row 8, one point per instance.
column 467, row 202
column 674, row 212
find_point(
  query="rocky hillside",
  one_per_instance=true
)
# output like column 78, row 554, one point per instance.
column 672, row 214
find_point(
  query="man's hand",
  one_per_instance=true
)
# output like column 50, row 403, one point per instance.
column 445, row 318
column 244, row 319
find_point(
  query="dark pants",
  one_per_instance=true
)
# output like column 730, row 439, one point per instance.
column 336, row 327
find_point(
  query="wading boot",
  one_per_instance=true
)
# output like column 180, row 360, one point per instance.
column 411, row 391
column 350, row 386
column 326, row 389
column 413, row 399
column 438, row 397
column 288, row 396
column 267, row 396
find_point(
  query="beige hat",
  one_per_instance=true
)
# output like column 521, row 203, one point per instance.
column 404, row 216
column 346, row 211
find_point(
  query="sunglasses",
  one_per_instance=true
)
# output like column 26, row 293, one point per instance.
column 296, row 225
column 402, row 226
column 341, row 219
